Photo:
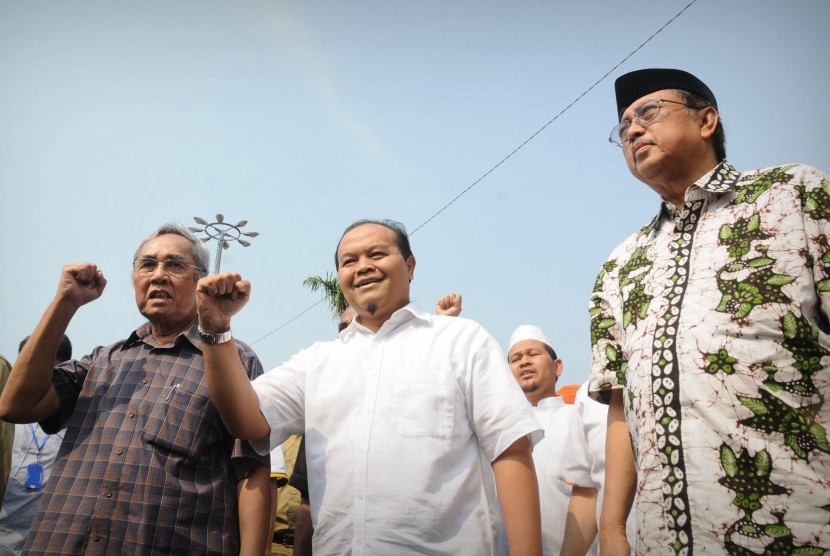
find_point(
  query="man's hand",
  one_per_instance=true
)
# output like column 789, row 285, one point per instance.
column 80, row 283
column 449, row 305
column 29, row 395
column 218, row 298
column 613, row 543
column 620, row 481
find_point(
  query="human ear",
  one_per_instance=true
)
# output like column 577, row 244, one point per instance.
column 410, row 264
column 709, row 119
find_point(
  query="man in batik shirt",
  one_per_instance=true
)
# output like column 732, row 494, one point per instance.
column 710, row 338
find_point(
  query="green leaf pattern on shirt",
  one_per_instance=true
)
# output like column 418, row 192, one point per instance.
column 786, row 407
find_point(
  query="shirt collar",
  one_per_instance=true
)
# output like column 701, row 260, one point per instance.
column 143, row 334
column 721, row 179
column 552, row 401
column 412, row 311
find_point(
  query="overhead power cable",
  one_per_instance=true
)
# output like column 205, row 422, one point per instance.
column 292, row 319
column 514, row 151
column 556, row 117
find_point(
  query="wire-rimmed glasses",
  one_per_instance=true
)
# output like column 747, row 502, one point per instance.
column 645, row 115
column 174, row 266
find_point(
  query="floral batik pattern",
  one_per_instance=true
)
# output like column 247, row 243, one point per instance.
column 713, row 319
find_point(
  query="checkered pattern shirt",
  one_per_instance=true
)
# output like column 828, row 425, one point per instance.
column 145, row 466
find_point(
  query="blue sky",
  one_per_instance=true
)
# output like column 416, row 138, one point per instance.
column 302, row 117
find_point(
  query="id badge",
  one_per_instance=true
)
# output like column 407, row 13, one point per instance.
column 34, row 476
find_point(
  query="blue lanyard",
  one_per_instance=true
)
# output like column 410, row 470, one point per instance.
column 40, row 445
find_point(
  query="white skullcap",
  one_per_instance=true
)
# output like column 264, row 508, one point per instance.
column 529, row 332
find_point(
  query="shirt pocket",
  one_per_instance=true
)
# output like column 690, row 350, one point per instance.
column 422, row 406
column 180, row 423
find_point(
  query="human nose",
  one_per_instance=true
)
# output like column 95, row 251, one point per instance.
column 159, row 272
column 364, row 264
column 635, row 129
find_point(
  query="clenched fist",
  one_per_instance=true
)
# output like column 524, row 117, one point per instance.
column 449, row 305
column 80, row 283
column 218, row 298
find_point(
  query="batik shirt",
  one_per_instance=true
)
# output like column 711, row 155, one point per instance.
column 145, row 465
column 713, row 321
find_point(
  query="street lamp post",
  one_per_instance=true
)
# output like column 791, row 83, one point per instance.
column 224, row 233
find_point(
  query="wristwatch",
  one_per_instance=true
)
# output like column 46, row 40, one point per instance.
column 213, row 339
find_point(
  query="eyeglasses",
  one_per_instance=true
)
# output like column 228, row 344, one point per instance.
column 176, row 267
column 644, row 116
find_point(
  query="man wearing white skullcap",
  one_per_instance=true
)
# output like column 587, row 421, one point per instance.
column 536, row 367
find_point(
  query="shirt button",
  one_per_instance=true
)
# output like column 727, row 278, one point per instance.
column 119, row 451
column 145, row 381
column 109, row 494
column 132, row 415
column 95, row 538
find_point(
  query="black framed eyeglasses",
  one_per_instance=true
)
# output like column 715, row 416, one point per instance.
column 645, row 115
column 174, row 266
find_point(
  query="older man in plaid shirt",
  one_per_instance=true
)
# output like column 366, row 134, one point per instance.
column 146, row 464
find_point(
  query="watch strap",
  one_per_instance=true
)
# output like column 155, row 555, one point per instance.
column 213, row 339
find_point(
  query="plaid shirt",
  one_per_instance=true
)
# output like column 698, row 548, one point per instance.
column 145, row 466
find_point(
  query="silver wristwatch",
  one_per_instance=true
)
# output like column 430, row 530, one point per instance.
column 212, row 339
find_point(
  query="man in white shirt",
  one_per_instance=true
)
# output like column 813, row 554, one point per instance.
column 536, row 368
column 583, row 467
column 403, row 413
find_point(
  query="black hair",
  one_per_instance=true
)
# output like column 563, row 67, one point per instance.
column 401, row 237
column 64, row 348
column 551, row 352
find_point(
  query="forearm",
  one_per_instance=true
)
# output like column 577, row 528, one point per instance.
column 232, row 393
column 518, row 493
column 303, row 530
column 29, row 395
column 620, row 474
column 581, row 523
column 254, row 511
column 273, row 490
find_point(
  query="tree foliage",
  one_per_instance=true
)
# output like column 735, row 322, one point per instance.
column 331, row 292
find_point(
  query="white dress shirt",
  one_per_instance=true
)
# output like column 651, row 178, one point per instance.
column 583, row 464
column 401, row 428
column 555, row 416
column 278, row 462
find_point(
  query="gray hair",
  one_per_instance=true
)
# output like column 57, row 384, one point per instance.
column 694, row 103
column 197, row 249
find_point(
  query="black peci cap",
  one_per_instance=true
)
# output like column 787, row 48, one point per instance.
column 636, row 84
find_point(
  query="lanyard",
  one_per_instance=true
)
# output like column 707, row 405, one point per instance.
column 38, row 445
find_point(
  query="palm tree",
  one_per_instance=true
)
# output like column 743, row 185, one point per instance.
column 331, row 292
